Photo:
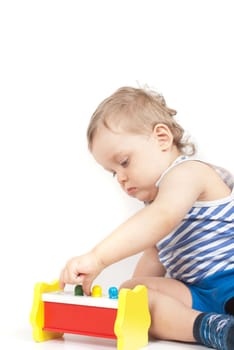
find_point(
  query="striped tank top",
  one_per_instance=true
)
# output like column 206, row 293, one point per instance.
column 203, row 243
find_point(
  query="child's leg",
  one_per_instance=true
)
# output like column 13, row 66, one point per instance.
column 173, row 318
column 170, row 318
column 168, row 298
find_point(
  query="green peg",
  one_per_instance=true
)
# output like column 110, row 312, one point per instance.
column 78, row 290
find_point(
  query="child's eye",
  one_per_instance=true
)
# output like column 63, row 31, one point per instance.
column 124, row 163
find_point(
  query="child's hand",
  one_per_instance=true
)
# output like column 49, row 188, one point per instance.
column 81, row 270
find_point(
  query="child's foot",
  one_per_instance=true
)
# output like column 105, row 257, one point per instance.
column 215, row 331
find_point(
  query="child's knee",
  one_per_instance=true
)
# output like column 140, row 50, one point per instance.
column 130, row 283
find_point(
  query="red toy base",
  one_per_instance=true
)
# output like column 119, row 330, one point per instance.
column 68, row 318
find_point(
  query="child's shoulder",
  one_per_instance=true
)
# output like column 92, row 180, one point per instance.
column 184, row 167
column 193, row 169
column 203, row 168
column 194, row 166
column 214, row 182
column 210, row 182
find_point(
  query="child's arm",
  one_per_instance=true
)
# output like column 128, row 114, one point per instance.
column 178, row 191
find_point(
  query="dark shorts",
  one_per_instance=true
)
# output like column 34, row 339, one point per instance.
column 214, row 293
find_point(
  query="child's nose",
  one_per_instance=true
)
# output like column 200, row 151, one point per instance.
column 121, row 177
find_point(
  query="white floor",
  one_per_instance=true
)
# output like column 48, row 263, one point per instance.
column 21, row 339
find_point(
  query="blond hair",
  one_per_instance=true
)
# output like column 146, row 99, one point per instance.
column 137, row 110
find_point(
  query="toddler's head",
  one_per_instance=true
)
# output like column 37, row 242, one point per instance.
column 138, row 111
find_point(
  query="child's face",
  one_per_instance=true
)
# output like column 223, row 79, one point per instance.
column 136, row 160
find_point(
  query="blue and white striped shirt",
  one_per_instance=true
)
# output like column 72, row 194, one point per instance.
column 203, row 243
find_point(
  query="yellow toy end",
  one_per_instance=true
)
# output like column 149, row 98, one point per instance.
column 133, row 319
column 37, row 312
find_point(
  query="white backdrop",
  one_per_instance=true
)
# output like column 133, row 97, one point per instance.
column 58, row 60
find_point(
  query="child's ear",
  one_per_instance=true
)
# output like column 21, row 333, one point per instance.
column 163, row 135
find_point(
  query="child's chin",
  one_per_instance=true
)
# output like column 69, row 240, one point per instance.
column 142, row 198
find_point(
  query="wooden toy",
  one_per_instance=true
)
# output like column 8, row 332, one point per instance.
column 126, row 319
